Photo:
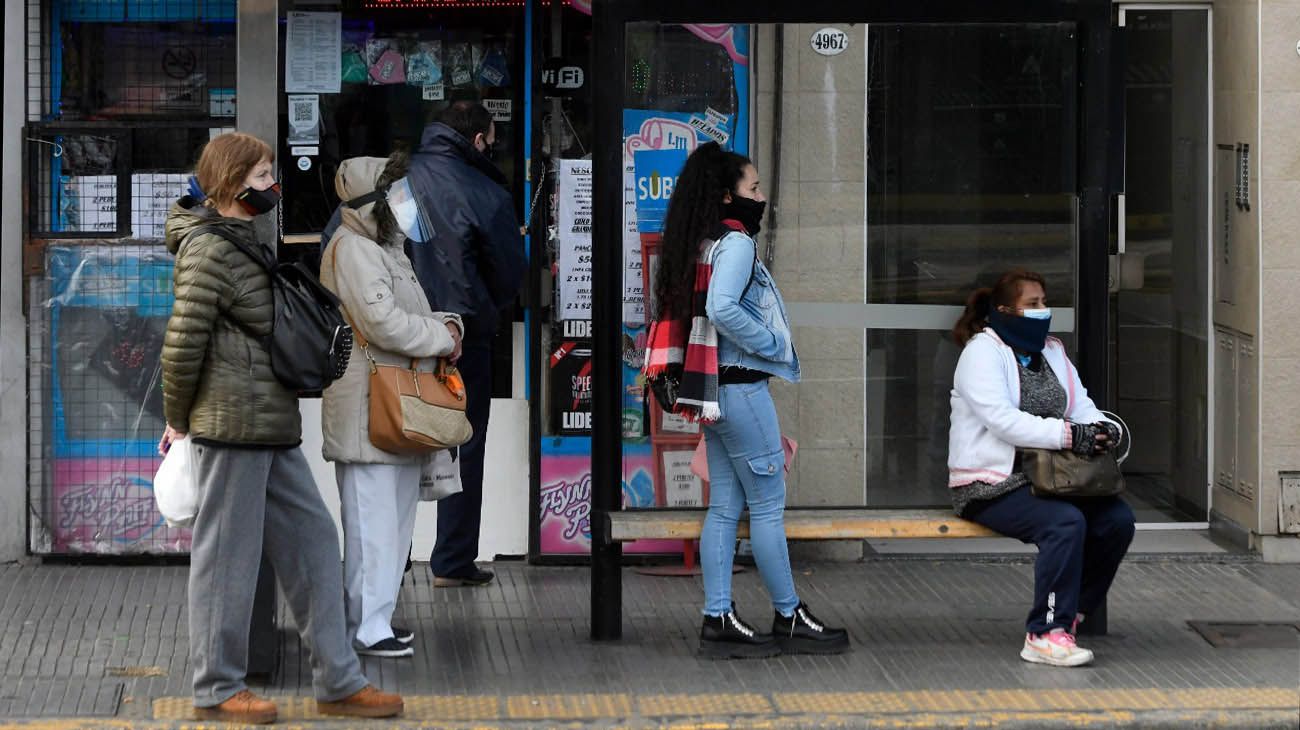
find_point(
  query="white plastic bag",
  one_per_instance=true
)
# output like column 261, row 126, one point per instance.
column 440, row 476
column 176, row 486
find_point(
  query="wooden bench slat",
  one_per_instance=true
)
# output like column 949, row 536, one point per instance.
column 803, row 524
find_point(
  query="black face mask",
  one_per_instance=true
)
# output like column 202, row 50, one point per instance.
column 746, row 210
column 257, row 202
column 1021, row 333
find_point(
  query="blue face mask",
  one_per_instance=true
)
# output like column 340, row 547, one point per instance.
column 1027, row 333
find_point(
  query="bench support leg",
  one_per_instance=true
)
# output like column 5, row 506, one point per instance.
column 1095, row 623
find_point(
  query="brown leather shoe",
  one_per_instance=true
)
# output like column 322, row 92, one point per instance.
column 369, row 702
column 244, row 707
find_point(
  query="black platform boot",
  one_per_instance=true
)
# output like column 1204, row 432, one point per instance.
column 728, row 637
column 803, row 633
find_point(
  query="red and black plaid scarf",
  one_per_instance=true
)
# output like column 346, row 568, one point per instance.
column 690, row 344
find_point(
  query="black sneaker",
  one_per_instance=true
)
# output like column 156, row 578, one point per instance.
column 802, row 633
column 475, row 577
column 728, row 637
column 405, row 636
column 389, row 647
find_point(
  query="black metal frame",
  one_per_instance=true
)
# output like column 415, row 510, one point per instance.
column 1099, row 142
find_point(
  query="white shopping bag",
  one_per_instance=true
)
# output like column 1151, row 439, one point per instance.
column 440, row 476
column 176, row 486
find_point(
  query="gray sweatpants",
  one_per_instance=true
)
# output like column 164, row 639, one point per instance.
column 255, row 500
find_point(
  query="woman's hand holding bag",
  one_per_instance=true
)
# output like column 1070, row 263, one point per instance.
column 1067, row 474
column 175, row 485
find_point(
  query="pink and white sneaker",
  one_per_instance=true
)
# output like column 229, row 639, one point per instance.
column 1056, row 648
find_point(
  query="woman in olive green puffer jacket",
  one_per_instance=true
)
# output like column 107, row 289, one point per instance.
column 217, row 381
column 256, row 493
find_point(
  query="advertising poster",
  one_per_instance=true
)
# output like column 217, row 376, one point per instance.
column 105, row 318
column 566, row 495
column 106, row 506
column 570, row 380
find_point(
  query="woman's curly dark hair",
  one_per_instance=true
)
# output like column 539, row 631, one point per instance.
column 395, row 169
column 694, row 211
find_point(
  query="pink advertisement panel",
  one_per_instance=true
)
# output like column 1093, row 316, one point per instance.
column 566, row 495
column 107, row 506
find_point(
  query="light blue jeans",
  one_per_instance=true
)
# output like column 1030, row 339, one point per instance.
column 746, row 467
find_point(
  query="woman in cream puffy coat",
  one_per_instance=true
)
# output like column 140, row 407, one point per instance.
column 364, row 264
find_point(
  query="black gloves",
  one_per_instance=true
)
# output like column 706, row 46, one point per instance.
column 1084, row 436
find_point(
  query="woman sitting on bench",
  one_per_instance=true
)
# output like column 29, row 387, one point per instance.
column 1014, row 388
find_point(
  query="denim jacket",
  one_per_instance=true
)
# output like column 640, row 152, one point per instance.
column 753, row 332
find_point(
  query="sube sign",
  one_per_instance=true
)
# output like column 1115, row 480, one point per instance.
column 656, row 174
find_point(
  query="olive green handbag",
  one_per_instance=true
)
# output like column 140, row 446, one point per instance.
column 1063, row 474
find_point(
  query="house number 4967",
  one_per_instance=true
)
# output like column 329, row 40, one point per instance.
column 830, row 41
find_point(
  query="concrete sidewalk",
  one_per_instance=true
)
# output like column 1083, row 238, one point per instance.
column 936, row 644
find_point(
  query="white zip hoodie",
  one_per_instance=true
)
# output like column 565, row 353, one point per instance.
column 987, row 424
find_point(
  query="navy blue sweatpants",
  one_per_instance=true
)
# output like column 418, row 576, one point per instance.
column 460, row 515
column 1080, row 546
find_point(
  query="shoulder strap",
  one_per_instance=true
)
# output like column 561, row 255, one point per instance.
column 259, row 260
column 343, row 309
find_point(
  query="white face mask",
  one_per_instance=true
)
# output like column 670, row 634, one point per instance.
column 1044, row 313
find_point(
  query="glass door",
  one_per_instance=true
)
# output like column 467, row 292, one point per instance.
column 1160, row 347
column 970, row 171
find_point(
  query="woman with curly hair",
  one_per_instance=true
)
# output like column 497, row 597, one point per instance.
column 711, row 282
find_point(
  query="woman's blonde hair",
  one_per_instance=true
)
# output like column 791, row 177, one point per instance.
column 226, row 162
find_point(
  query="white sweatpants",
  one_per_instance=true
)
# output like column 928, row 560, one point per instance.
column 378, row 502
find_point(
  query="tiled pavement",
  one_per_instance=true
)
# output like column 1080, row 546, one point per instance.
column 936, row 643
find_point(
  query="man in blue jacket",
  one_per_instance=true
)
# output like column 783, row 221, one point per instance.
column 470, row 262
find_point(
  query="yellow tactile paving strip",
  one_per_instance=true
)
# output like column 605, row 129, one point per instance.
column 1084, row 702
column 1025, row 700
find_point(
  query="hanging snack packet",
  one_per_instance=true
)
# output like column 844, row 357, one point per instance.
column 460, row 65
column 495, row 69
column 354, row 67
column 424, row 64
column 386, row 63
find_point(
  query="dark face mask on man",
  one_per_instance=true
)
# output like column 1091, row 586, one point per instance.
column 747, row 211
column 257, row 202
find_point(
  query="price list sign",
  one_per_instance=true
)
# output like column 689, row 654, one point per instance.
column 575, row 239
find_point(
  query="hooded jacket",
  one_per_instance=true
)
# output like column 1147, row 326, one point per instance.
column 474, row 263
column 217, row 380
column 384, row 303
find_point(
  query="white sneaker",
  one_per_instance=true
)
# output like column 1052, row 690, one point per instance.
column 1056, row 648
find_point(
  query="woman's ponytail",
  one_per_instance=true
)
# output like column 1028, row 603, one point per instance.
column 975, row 317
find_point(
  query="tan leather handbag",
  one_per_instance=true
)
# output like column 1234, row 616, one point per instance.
column 415, row 411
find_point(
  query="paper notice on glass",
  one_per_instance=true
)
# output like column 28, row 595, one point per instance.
column 313, row 54
column 682, row 488
column 152, row 194
column 89, row 203
column 304, row 119
column 633, row 279
column 574, row 218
